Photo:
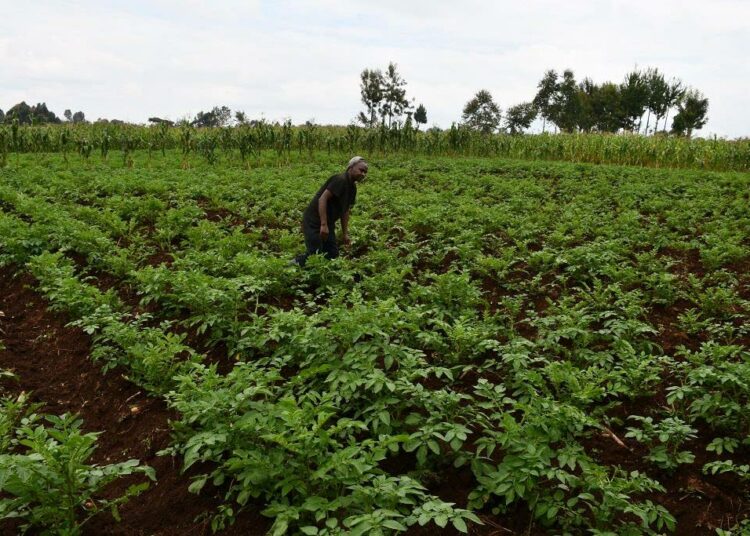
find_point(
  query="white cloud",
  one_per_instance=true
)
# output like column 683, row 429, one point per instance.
column 302, row 59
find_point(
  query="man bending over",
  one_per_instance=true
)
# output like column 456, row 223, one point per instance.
column 332, row 202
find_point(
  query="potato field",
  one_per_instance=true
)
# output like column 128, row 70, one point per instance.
column 507, row 347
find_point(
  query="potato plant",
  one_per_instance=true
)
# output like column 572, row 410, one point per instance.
column 494, row 319
column 45, row 478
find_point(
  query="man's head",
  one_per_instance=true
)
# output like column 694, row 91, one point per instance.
column 357, row 168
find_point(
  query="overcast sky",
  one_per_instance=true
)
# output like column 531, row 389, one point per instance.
column 134, row 59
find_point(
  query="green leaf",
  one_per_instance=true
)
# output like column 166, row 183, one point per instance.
column 460, row 525
column 280, row 527
column 393, row 524
column 198, row 484
column 137, row 489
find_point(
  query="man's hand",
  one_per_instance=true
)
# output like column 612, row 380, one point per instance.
column 323, row 232
column 347, row 241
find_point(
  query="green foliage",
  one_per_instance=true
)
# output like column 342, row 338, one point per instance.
column 383, row 93
column 692, row 109
column 218, row 116
column 28, row 115
column 47, row 482
column 601, row 114
column 481, row 113
column 664, row 439
column 714, row 387
column 492, row 317
column 420, row 115
column 519, row 117
column 12, row 410
column 742, row 528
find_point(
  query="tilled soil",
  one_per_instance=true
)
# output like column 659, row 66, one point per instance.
column 52, row 362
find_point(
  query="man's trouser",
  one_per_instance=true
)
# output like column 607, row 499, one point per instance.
column 314, row 244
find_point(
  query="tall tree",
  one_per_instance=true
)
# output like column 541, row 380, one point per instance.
column 394, row 102
column 606, row 107
column 482, row 113
column 219, row 116
column 68, row 115
column 519, row 117
column 674, row 96
column 240, row 117
column 41, row 115
column 567, row 103
column 21, row 112
column 543, row 100
column 223, row 115
column 27, row 115
column 420, row 115
column 634, row 98
column 79, row 117
column 371, row 92
column 692, row 110
column 587, row 91
column 658, row 97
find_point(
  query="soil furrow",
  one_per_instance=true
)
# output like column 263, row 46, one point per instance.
column 51, row 361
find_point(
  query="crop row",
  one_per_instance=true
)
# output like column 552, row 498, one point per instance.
column 248, row 143
column 493, row 318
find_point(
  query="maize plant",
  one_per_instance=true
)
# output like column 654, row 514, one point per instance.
column 84, row 147
column 15, row 136
column 104, row 143
column 284, row 141
column 207, row 143
column 127, row 145
column 226, row 140
column 163, row 136
column 64, row 141
column 186, row 142
column 5, row 140
column 281, row 139
column 246, row 142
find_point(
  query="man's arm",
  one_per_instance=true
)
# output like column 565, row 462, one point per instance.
column 323, row 213
column 345, row 227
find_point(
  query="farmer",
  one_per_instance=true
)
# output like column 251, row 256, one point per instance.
column 332, row 202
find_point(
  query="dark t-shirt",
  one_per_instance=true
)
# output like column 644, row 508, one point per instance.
column 344, row 196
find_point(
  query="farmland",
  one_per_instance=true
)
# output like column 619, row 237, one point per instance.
column 508, row 346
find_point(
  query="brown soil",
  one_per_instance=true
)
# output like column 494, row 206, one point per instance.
column 700, row 503
column 52, row 362
column 689, row 261
column 670, row 336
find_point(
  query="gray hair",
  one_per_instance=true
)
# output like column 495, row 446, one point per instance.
column 354, row 161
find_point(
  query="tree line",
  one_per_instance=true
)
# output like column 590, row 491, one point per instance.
column 641, row 103
column 569, row 105
column 612, row 107
column 38, row 114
